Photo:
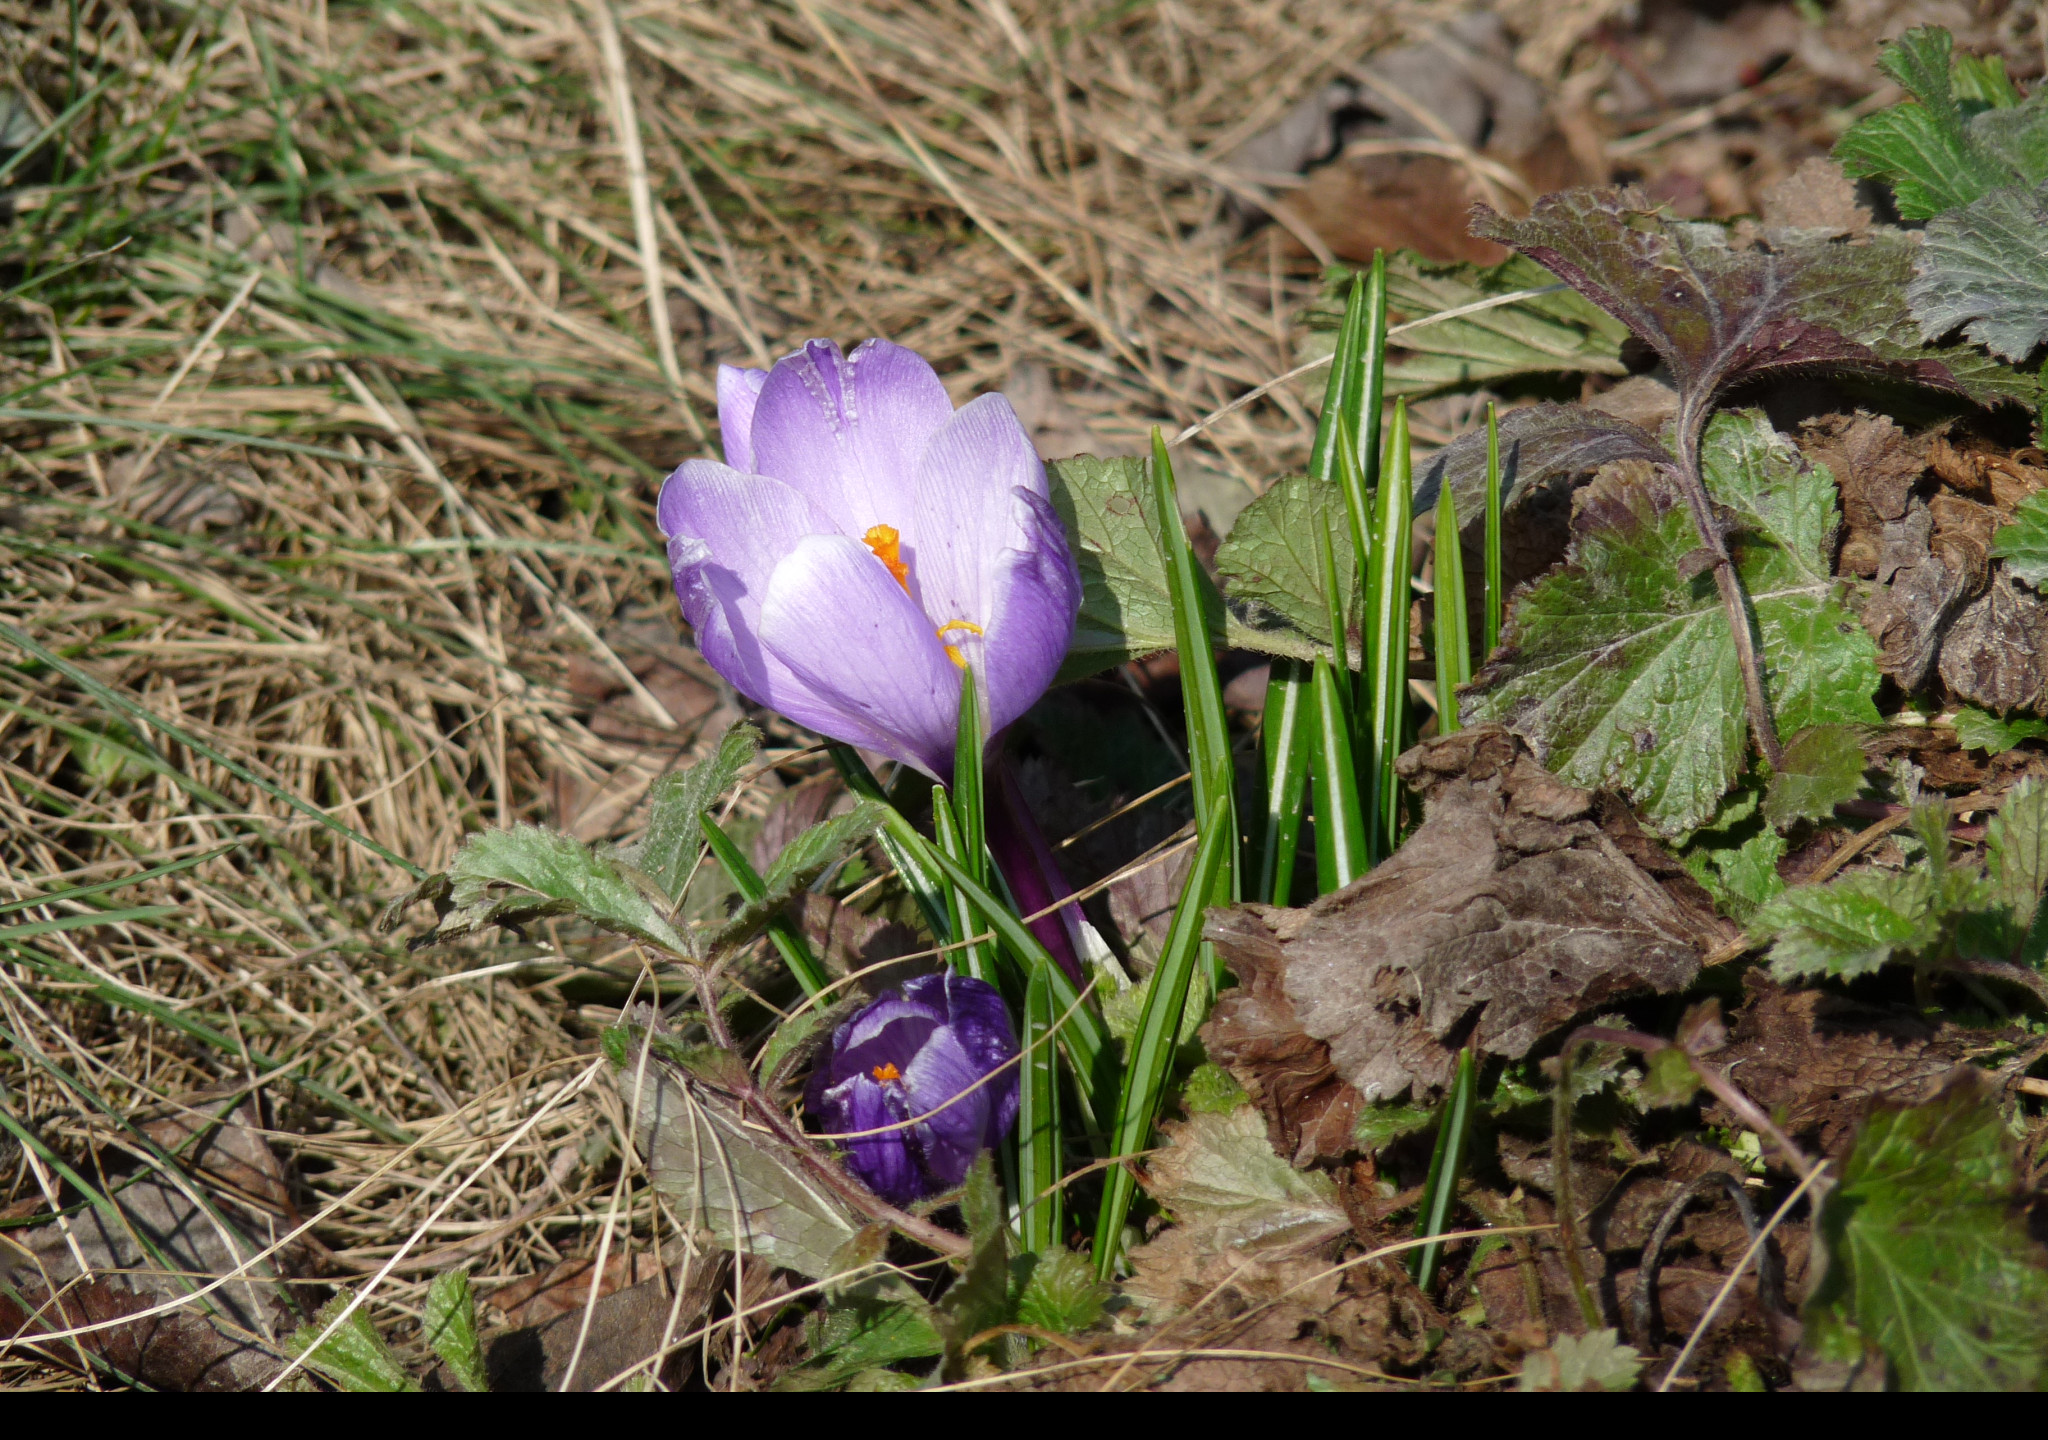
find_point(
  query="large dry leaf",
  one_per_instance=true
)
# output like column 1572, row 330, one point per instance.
column 1505, row 916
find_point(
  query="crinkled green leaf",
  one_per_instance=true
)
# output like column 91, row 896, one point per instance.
column 1126, row 606
column 1596, row 1361
column 1849, row 926
column 1620, row 668
column 802, row 860
column 979, row 1299
column 2023, row 544
column 354, row 1357
column 1668, row 1079
column 1545, row 334
column 449, row 1325
column 1927, row 1252
column 1985, row 268
column 508, row 877
column 725, row 1172
column 1381, row 1125
column 1540, row 446
column 1924, row 149
column 1719, row 316
column 670, row 847
column 1979, row 730
column 1211, row 1090
column 1270, row 562
column 1059, row 1292
column 1219, row 1175
column 1741, row 877
column 857, row 1334
column 2016, row 850
column 1823, row 767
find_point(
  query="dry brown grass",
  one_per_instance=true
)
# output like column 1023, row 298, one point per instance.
column 405, row 240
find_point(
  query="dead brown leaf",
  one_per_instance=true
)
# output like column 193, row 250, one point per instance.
column 183, row 1351
column 1816, row 196
column 1507, row 914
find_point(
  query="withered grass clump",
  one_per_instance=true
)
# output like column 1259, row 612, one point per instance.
column 335, row 407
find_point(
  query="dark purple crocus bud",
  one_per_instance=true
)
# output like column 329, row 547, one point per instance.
column 906, row 1056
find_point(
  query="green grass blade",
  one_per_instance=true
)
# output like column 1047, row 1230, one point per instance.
column 1039, row 1166
column 968, row 805
column 1341, row 852
column 921, row 881
column 1158, row 1034
column 1346, row 373
column 1285, row 734
column 1213, row 771
column 788, row 940
column 1446, row 1164
column 155, row 872
column 1086, row 1040
column 106, row 695
column 1496, row 598
column 1453, row 639
column 971, row 960
column 1386, row 639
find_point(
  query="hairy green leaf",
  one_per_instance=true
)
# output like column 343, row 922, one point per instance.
column 508, row 877
column 2023, row 544
column 858, row 1333
column 802, row 860
column 1270, row 561
column 1211, row 1090
column 1620, row 668
column 1741, row 877
column 1593, row 1361
column 1979, row 730
column 1986, row 269
column 1219, row 1175
column 2016, row 849
column 669, row 849
column 1059, row 1291
column 725, row 1172
column 1927, row 1255
column 354, row 1357
column 1933, row 152
column 1718, row 316
column 1381, row 1125
column 449, row 1325
column 1823, row 767
column 1544, row 334
column 1668, row 1079
column 1849, row 926
column 1126, row 603
column 979, row 1299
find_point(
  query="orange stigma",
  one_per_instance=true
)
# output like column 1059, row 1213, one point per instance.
column 888, row 547
column 953, row 651
column 886, row 1073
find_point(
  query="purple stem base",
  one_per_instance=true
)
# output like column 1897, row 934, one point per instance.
column 1027, row 863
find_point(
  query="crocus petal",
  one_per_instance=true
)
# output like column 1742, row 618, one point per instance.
column 951, row 1137
column 980, row 1024
column 847, row 430
column 728, row 532
column 1035, row 592
column 965, row 480
column 738, row 392
column 858, row 646
column 884, row 1163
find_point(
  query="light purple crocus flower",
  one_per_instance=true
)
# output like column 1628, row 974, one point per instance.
column 863, row 542
column 905, row 1056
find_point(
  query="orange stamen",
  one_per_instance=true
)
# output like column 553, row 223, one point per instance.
column 886, row 1073
column 888, row 547
column 953, row 651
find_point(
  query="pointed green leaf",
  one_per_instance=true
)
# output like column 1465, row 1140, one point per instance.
column 1270, row 566
column 449, row 1324
column 1978, row 730
column 508, row 877
column 1220, row 1177
column 1986, row 270
column 669, row 849
column 2016, row 847
column 1928, row 1255
column 1849, row 926
column 1109, row 512
column 802, row 860
column 1823, row 768
column 354, row 1357
column 1620, row 668
column 1060, row 1292
column 1922, row 148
